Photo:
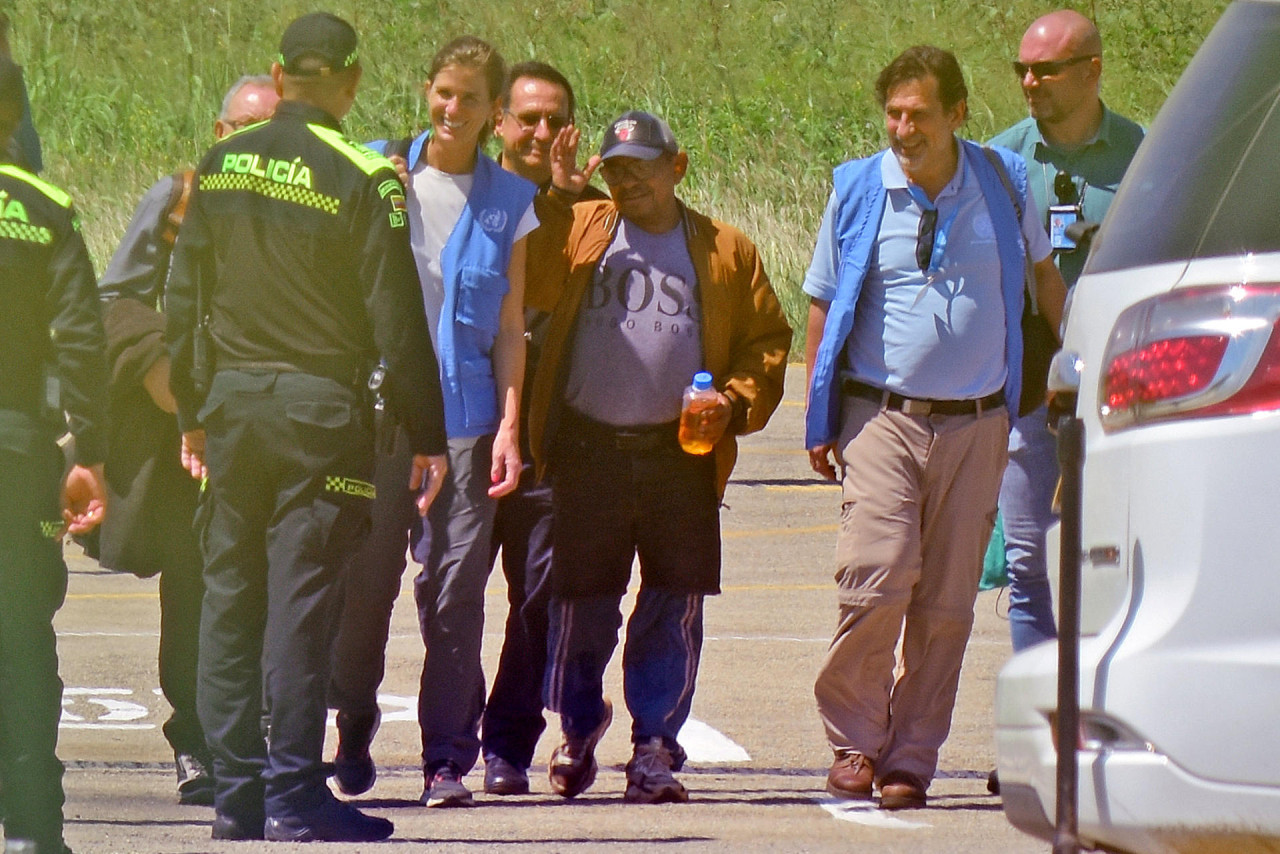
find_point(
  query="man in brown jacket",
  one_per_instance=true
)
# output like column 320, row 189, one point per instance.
column 643, row 293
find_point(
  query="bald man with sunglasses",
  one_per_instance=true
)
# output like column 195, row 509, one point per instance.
column 1077, row 151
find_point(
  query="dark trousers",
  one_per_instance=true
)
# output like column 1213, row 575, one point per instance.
column 33, row 583
column 513, row 718
column 181, row 599
column 616, row 495
column 290, row 460
column 452, row 544
column 372, row 583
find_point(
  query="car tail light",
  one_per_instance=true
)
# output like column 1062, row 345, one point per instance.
column 1193, row 353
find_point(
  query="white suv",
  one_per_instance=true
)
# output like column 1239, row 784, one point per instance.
column 1173, row 329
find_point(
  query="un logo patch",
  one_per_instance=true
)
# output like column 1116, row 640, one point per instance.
column 493, row 219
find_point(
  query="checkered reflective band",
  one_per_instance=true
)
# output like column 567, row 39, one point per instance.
column 14, row 230
column 349, row 486
column 270, row 189
column 52, row 530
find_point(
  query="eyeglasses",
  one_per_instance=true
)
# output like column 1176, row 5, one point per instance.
column 615, row 172
column 1064, row 187
column 529, row 121
column 1048, row 69
column 924, row 238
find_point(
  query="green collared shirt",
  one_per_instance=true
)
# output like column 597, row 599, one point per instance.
column 1096, row 168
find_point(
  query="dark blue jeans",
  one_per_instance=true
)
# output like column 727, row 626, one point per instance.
column 1026, row 503
column 513, row 719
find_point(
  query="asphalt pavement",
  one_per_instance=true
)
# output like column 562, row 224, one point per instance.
column 758, row 758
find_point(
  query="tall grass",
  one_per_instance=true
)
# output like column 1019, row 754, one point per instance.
column 767, row 95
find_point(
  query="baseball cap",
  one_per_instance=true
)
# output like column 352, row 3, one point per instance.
column 326, row 39
column 638, row 134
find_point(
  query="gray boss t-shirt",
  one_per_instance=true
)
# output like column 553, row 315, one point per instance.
column 639, row 336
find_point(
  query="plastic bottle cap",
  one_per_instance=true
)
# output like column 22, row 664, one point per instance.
column 702, row 381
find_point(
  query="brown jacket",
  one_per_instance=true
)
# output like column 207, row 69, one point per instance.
column 745, row 337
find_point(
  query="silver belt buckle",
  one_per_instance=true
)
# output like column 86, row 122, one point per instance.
column 919, row 408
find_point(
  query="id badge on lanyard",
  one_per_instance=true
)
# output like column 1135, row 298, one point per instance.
column 1060, row 217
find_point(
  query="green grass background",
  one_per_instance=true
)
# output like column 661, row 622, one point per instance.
column 766, row 95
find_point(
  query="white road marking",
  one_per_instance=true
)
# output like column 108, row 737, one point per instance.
column 394, row 708
column 867, row 813
column 118, row 712
column 701, row 742
column 704, row 744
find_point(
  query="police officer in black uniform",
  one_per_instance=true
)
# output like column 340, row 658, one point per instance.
column 291, row 276
column 46, row 283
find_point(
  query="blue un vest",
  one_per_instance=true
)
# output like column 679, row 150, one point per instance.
column 860, row 196
column 474, row 263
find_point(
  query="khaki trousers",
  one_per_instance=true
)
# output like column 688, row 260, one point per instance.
column 919, row 504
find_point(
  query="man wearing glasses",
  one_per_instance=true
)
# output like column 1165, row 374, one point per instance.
column 538, row 102
column 153, row 497
column 644, row 293
column 1076, row 152
column 914, row 352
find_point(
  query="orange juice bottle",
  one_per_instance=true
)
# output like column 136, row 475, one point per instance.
column 698, row 398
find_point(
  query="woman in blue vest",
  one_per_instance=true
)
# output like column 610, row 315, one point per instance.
column 467, row 222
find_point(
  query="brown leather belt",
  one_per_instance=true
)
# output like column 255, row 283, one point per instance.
column 920, row 406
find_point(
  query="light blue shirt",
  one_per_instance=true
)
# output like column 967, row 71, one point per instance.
column 939, row 334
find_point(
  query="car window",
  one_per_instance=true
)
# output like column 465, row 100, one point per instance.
column 1205, row 182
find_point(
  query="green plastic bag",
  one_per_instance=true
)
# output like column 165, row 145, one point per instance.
column 995, row 569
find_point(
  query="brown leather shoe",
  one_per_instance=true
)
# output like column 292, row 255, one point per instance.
column 850, row 777
column 902, row 791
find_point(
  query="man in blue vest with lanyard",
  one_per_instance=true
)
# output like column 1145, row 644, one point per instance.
column 914, row 355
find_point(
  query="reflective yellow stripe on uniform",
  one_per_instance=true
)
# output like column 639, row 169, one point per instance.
column 350, row 486
column 271, row 189
column 59, row 197
column 27, row 233
column 366, row 159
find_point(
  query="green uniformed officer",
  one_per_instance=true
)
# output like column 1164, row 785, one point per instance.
column 291, row 276
column 50, row 338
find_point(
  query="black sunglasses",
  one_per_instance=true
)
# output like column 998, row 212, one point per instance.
column 925, row 237
column 529, row 121
column 1048, row 69
column 1064, row 187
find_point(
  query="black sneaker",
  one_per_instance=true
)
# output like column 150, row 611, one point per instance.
column 444, row 788
column 332, row 821
column 195, row 781
column 572, row 767
column 353, row 766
